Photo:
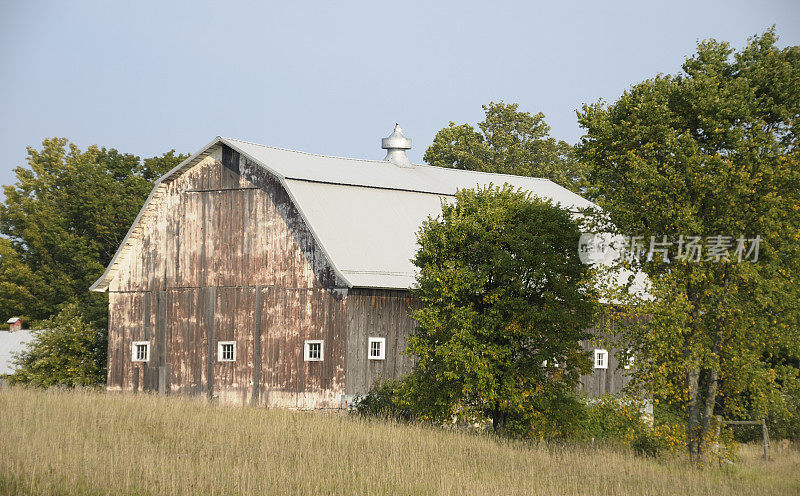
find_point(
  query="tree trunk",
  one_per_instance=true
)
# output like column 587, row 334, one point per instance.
column 693, row 375
column 498, row 419
column 709, row 394
column 693, row 408
column 709, row 400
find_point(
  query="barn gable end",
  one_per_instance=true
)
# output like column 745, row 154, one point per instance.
column 222, row 223
column 224, row 255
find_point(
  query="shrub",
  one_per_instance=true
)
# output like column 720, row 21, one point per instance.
column 68, row 352
column 383, row 400
column 550, row 417
column 783, row 419
column 653, row 442
column 553, row 415
column 618, row 419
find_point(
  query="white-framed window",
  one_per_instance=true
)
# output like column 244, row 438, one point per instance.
column 600, row 359
column 226, row 351
column 376, row 349
column 140, row 351
column 314, row 350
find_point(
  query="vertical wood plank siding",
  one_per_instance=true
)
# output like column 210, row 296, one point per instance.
column 226, row 251
column 382, row 314
column 604, row 381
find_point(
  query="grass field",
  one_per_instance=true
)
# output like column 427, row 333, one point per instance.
column 54, row 443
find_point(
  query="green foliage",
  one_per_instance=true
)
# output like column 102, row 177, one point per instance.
column 784, row 420
column 554, row 413
column 385, row 399
column 614, row 418
column 17, row 284
column 65, row 218
column 68, row 351
column 710, row 151
column 508, row 142
column 502, row 290
column 647, row 443
column 620, row 420
column 783, row 416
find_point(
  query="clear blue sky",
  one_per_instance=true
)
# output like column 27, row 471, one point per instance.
column 333, row 77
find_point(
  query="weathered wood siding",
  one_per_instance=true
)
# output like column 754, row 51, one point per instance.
column 604, row 381
column 129, row 320
column 227, row 257
column 382, row 314
column 215, row 227
column 385, row 313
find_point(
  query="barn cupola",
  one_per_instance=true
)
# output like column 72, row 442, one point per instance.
column 396, row 145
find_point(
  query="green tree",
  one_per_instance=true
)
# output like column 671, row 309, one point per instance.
column 502, row 290
column 17, row 283
column 68, row 351
column 510, row 142
column 710, row 151
column 66, row 216
column 64, row 219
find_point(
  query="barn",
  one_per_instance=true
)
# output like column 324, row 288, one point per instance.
column 265, row 276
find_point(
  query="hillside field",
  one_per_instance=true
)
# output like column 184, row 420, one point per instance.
column 69, row 443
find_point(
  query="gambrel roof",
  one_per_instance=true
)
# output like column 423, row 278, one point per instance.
column 364, row 214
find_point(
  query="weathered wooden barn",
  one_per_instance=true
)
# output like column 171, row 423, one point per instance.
column 268, row 276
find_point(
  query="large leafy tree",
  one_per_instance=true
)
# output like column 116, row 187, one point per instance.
column 711, row 151
column 64, row 219
column 502, row 290
column 67, row 214
column 508, row 141
column 17, row 283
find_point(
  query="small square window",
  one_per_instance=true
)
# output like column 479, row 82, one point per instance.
column 377, row 349
column 313, row 350
column 140, row 351
column 600, row 359
column 226, row 351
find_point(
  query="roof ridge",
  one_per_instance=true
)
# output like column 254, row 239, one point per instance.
column 309, row 153
column 483, row 172
column 384, row 162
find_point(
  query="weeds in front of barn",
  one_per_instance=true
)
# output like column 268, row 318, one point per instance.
column 84, row 442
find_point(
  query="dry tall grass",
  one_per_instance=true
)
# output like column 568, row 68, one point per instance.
column 91, row 443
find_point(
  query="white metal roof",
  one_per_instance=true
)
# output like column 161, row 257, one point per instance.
column 363, row 213
column 10, row 343
column 370, row 234
column 289, row 164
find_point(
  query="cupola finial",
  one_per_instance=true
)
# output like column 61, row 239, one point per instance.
column 396, row 145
